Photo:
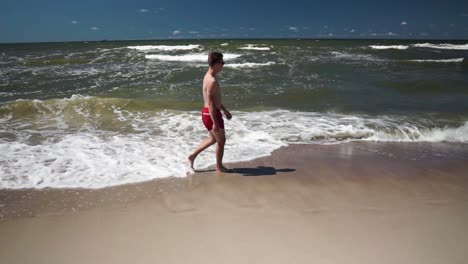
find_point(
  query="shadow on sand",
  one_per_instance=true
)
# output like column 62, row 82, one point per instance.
column 260, row 171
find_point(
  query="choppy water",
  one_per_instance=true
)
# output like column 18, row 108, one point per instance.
column 104, row 113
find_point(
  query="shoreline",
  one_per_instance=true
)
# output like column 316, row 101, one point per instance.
column 359, row 202
column 28, row 202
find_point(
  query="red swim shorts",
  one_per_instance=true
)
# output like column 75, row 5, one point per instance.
column 207, row 118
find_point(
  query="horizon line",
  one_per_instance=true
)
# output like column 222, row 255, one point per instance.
column 252, row 38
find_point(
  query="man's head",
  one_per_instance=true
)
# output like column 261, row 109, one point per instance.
column 215, row 61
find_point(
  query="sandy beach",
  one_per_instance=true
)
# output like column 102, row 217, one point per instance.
column 346, row 203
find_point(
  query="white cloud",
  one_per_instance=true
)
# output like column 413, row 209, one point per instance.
column 251, row 29
column 74, row 22
column 404, row 23
column 144, row 10
column 352, row 30
column 330, row 34
column 391, row 34
column 464, row 14
column 175, row 32
column 95, row 28
column 193, row 32
column 293, row 28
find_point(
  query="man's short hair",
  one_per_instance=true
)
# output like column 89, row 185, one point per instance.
column 214, row 57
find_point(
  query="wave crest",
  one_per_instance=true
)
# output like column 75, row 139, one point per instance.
column 441, row 46
column 249, row 64
column 189, row 57
column 253, row 47
column 441, row 60
column 381, row 47
column 165, row 47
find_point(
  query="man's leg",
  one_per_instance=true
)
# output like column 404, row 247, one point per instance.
column 210, row 140
column 220, row 142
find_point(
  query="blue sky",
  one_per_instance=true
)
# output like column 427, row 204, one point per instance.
column 54, row 20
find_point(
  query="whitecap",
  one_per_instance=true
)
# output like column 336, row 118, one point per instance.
column 441, row 60
column 441, row 46
column 352, row 56
column 380, row 47
column 188, row 57
column 253, row 47
column 249, row 64
column 165, row 47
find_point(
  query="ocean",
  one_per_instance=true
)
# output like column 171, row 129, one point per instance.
column 98, row 114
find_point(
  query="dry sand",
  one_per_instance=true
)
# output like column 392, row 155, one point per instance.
column 346, row 203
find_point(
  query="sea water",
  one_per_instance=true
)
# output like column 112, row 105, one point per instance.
column 97, row 114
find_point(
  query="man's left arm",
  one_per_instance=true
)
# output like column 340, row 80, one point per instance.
column 226, row 112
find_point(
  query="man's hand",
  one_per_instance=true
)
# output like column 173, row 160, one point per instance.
column 227, row 114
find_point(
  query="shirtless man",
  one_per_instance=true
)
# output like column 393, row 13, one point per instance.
column 211, row 113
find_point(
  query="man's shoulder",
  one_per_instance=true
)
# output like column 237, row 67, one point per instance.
column 210, row 81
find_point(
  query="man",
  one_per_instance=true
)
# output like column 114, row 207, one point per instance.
column 211, row 113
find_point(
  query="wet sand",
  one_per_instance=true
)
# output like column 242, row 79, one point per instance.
column 346, row 203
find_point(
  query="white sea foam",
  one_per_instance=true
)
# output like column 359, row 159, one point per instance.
column 352, row 56
column 189, row 57
column 441, row 60
column 85, row 71
column 380, row 47
column 77, row 152
column 90, row 158
column 165, row 47
column 441, row 46
column 249, row 64
column 6, row 94
column 253, row 47
column 224, row 44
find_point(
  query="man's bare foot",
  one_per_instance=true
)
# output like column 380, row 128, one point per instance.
column 223, row 169
column 190, row 161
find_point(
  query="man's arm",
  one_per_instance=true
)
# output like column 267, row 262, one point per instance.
column 211, row 89
column 226, row 112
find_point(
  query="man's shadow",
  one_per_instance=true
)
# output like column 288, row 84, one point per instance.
column 259, row 171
